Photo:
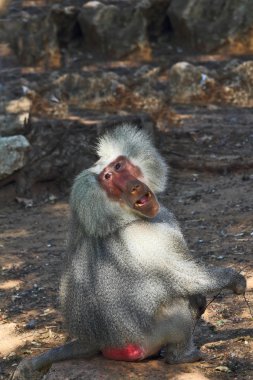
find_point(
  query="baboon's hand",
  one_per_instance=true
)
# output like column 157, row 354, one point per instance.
column 25, row 371
column 239, row 284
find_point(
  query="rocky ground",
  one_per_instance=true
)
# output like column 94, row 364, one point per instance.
column 198, row 107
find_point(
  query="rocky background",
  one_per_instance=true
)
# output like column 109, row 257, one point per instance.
column 69, row 67
column 69, row 70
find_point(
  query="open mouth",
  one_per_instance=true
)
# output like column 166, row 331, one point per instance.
column 143, row 200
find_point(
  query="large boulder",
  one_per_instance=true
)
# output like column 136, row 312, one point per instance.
column 231, row 84
column 154, row 11
column 90, row 91
column 112, row 31
column 12, row 154
column 190, row 84
column 38, row 37
column 236, row 83
column 214, row 25
column 33, row 38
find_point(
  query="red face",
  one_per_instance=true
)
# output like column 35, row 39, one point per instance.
column 121, row 181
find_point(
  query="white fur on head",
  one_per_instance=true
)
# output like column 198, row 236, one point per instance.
column 127, row 140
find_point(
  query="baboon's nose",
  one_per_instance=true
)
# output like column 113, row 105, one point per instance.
column 135, row 188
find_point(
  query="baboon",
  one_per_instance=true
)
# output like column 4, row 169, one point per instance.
column 129, row 287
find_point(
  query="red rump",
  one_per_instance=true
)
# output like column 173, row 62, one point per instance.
column 129, row 353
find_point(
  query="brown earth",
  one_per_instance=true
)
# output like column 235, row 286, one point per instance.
column 213, row 202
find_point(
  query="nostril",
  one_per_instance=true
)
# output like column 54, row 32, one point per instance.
column 135, row 188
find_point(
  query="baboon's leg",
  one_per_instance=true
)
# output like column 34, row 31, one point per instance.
column 178, row 325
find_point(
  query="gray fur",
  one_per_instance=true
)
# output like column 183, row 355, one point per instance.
column 127, row 278
column 110, row 296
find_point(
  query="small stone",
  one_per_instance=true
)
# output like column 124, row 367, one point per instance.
column 31, row 324
column 240, row 234
column 52, row 198
column 223, row 368
column 12, row 354
column 25, row 202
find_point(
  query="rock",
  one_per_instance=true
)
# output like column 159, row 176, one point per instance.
column 231, row 84
column 100, row 368
column 90, row 91
column 207, row 25
column 112, row 32
column 189, row 83
column 12, row 154
column 236, row 83
column 38, row 37
column 12, row 124
column 223, row 368
column 33, row 38
column 14, row 113
column 103, row 89
column 154, row 11
column 66, row 22
column 31, row 324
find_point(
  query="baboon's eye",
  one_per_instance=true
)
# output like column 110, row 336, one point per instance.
column 117, row 166
column 108, row 176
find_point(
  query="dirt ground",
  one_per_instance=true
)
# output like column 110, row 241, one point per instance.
column 211, row 195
